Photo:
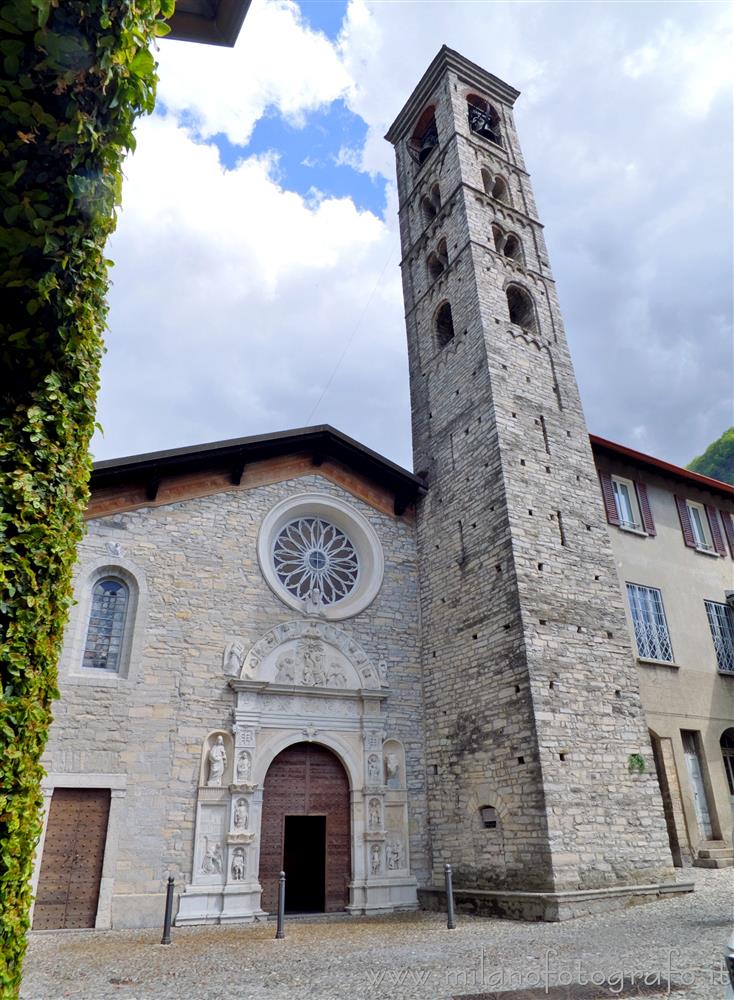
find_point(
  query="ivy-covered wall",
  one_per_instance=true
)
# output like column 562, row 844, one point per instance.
column 74, row 75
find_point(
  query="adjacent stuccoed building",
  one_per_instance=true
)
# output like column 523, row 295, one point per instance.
column 287, row 652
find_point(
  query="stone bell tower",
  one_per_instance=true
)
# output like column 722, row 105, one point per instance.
column 532, row 704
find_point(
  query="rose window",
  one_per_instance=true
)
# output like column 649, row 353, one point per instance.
column 310, row 553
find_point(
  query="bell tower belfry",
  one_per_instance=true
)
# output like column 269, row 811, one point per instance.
column 532, row 704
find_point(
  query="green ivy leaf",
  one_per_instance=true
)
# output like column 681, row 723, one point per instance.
column 143, row 63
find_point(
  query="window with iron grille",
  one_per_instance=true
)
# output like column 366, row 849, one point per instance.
column 648, row 619
column 721, row 622
column 103, row 648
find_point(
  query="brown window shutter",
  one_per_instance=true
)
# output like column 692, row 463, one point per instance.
column 685, row 522
column 645, row 510
column 728, row 529
column 715, row 532
column 607, row 492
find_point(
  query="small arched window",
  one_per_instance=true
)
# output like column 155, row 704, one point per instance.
column 513, row 248
column 428, row 209
column 486, row 181
column 521, row 308
column 444, row 325
column 500, row 190
column 107, row 620
column 436, row 197
column 435, row 267
column 498, row 236
column 438, row 261
column 425, row 137
column 483, row 119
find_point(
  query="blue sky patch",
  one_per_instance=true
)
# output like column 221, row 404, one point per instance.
column 324, row 15
column 308, row 156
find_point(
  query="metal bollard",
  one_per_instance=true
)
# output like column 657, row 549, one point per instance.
column 166, row 939
column 450, row 921
column 280, row 933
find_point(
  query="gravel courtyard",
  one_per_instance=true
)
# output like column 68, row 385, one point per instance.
column 407, row 956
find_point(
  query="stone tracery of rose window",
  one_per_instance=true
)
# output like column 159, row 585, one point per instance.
column 310, row 553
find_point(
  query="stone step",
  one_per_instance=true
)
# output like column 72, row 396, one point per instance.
column 713, row 862
column 716, row 852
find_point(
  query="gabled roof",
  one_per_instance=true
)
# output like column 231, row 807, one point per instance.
column 600, row 444
column 321, row 442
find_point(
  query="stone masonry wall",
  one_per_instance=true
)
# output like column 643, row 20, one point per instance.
column 198, row 560
column 532, row 697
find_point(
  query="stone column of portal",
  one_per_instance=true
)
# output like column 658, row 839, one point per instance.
column 532, row 704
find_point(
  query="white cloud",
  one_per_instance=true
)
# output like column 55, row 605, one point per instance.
column 234, row 297
column 695, row 59
column 278, row 62
column 232, row 301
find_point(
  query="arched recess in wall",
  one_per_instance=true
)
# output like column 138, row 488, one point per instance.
column 424, row 139
column 438, row 261
column 512, row 248
column 444, row 325
column 521, row 308
column 104, row 640
column 484, row 120
column 500, row 190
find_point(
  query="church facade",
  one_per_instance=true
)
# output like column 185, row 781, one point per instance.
column 287, row 653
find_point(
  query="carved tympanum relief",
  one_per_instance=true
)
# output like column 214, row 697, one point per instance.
column 307, row 653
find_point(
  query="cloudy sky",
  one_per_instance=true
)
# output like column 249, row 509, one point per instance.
column 257, row 287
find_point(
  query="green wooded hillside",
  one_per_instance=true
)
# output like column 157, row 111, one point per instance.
column 718, row 459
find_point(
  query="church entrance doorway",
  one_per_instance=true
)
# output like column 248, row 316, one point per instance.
column 306, row 830
column 305, row 837
column 73, row 854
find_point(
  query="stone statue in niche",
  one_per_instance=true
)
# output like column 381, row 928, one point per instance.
column 392, row 770
column 373, row 769
column 238, row 865
column 217, row 758
column 394, row 855
column 244, row 767
column 382, row 671
column 375, row 859
column 234, row 657
column 241, row 815
column 212, row 861
column 313, row 604
column 286, row 669
column 374, row 814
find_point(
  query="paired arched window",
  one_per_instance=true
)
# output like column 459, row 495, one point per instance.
column 513, row 248
column 521, row 308
column 484, row 121
column 508, row 244
column 495, row 186
column 424, row 138
column 107, row 621
column 444, row 325
column 438, row 261
column 431, row 203
column 500, row 191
